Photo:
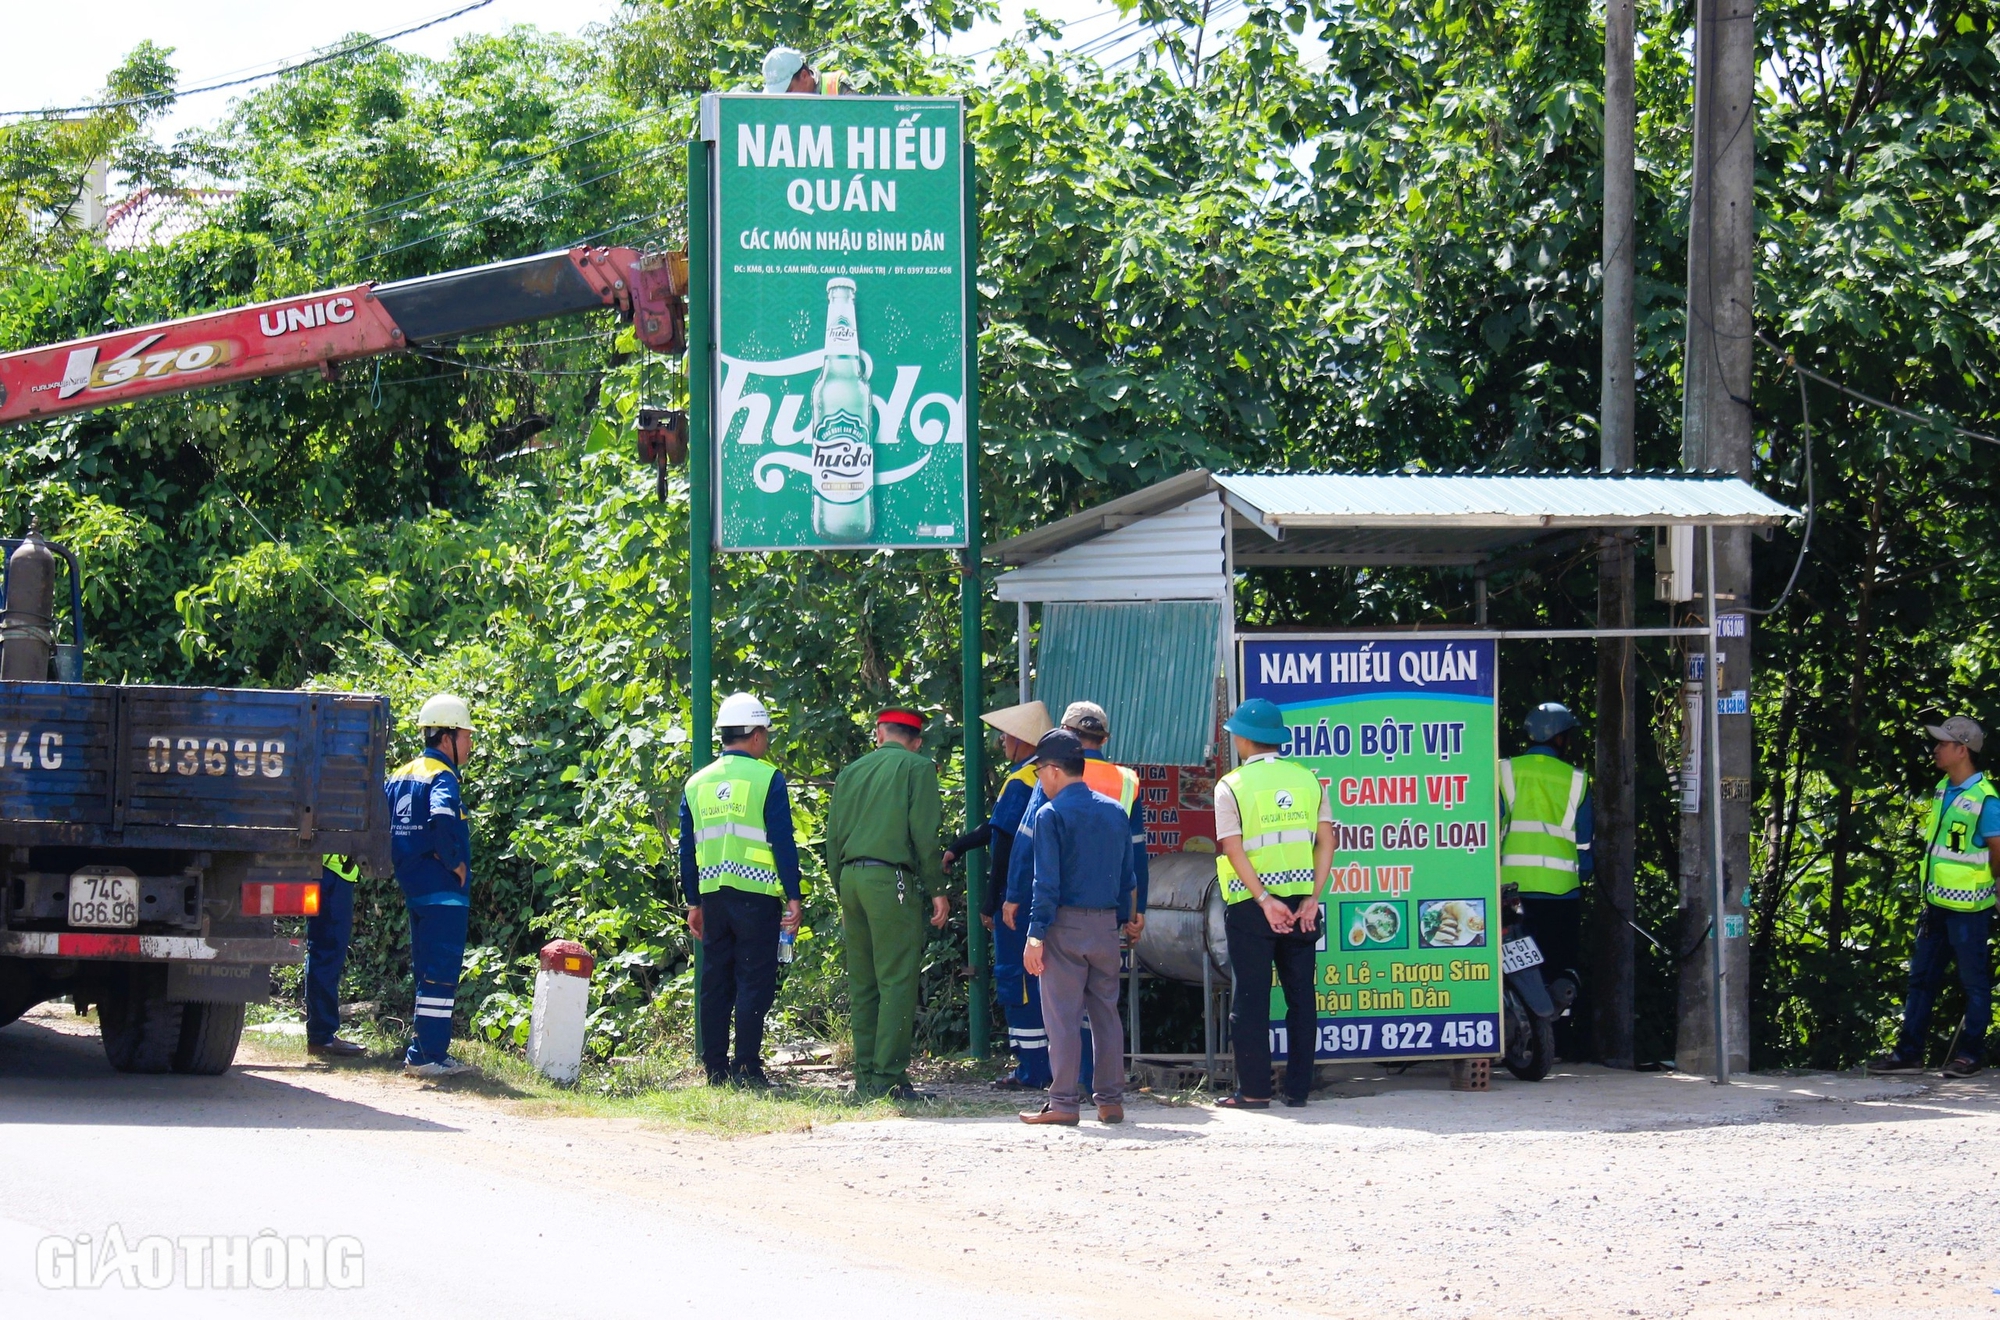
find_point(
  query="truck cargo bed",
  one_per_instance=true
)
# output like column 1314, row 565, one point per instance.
column 221, row 769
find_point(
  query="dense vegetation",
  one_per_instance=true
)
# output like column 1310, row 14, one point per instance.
column 1222, row 253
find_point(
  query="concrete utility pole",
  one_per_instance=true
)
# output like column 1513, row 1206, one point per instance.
column 1615, row 846
column 1716, row 433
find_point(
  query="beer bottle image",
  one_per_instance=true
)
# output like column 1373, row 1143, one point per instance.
column 843, row 416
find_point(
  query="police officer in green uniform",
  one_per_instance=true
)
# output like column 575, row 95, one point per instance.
column 1274, row 835
column 1961, row 834
column 739, row 864
column 1545, row 851
column 884, row 860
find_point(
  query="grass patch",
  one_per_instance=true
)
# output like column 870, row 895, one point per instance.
column 671, row 1089
column 666, row 1087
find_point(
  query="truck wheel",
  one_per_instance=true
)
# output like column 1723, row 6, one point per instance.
column 209, row 1033
column 140, row 1026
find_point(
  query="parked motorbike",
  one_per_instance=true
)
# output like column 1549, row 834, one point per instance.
column 1534, row 995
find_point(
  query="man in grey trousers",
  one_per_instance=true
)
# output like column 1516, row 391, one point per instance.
column 1083, row 892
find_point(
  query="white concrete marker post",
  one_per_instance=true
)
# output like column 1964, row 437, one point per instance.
column 562, row 1000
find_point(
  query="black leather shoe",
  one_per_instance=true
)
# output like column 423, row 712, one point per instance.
column 904, row 1091
column 337, row 1049
column 1295, row 1102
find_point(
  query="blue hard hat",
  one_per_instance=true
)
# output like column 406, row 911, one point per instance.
column 1260, row 721
column 1549, row 719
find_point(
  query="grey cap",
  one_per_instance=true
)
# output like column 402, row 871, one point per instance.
column 1958, row 729
column 780, row 66
column 1086, row 717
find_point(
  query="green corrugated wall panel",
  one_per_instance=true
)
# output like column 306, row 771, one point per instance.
column 1151, row 665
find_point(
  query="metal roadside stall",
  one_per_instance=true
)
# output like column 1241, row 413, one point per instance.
column 1137, row 611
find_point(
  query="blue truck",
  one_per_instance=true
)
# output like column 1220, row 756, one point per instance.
column 152, row 837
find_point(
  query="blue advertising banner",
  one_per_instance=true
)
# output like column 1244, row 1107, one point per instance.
column 1403, row 734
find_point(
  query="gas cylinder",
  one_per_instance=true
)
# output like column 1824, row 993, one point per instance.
column 27, row 630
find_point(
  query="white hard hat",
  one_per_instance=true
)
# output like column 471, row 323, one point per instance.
column 445, row 711
column 740, row 710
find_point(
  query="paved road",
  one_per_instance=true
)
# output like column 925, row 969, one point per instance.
column 1588, row 1195
column 452, row 1223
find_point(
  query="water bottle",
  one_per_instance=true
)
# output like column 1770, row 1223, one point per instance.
column 785, row 940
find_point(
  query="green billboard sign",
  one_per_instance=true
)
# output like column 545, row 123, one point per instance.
column 841, row 367
column 1404, row 735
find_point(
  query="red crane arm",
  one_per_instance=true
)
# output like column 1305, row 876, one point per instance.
column 318, row 330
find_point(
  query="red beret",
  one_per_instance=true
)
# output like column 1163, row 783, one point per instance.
column 907, row 718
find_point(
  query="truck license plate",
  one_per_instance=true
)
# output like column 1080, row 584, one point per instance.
column 1519, row 955
column 104, row 896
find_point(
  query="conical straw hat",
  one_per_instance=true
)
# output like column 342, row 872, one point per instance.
column 1028, row 721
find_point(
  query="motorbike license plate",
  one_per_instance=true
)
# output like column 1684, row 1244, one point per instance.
column 104, row 896
column 1519, row 955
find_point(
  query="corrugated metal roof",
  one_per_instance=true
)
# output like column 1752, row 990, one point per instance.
column 1399, row 499
column 1408, row 517
column 1153, row 667
column 1176, row 554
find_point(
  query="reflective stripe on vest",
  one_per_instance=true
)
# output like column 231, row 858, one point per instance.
column 731, row 851
column 1279, row 801
column 345, row 867
column 1541, row 797
column 1956, row 871
column 1114, row 781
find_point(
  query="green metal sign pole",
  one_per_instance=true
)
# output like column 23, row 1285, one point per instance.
column 834, row 267
column 971, row 643
column 701, row 485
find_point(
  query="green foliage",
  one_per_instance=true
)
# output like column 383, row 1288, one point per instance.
column 1216, row 255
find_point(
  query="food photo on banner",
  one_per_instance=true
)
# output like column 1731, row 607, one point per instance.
column 1404, row 736
column 841, row 364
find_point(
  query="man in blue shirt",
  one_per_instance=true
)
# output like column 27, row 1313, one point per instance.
column 1086, row 719
column 735, row 859
column 430, row 844
column 1961, row 857
column 1019, row 995
column 1083, row 892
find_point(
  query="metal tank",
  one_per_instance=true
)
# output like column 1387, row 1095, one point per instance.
column 27, row 630
column 1184, row 920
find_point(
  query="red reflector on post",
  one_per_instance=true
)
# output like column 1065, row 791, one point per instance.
column 281, row 900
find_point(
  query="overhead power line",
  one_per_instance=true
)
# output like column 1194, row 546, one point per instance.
column 275, row 539
column 497, row 172
column 327, row 58
column 493, row 212
column 1874, row 402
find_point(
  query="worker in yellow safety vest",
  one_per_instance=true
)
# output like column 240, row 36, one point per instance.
column 1545, row 851
column 1961, row 835
column 739, row 867
column 1275, row 838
